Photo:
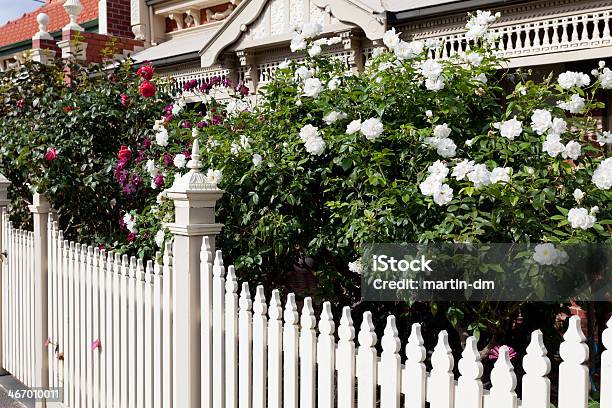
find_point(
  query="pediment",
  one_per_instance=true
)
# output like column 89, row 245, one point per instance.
column 257, row 23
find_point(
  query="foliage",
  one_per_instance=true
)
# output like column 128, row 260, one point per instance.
column 61, row 126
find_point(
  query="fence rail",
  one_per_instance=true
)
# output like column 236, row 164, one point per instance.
column 113, row 327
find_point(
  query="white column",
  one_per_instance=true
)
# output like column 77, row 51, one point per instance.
column 194, row 201
column 4, row 202
column 40, row 210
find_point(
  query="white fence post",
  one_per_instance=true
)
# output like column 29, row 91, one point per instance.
column 389, row 371
column 194, row 200
column 40, row 209
column 4, row 202
column 606, row 368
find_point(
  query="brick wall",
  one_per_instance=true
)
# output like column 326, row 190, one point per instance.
column 118, row 18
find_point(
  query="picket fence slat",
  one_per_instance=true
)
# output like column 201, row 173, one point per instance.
column 110, row 324
column 290, row 353
column 231, row 339
column 275, row 356
column 308, row 355
column 245, row 344
column 345, row 361
column 218, row 330
column 414, row 377
column 260, row 325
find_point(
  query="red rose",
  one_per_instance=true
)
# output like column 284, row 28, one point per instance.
column 147, row 89
column 146, row 72
column 124, row 154
column 51, row 154
column 131, row 236
column 67, row 108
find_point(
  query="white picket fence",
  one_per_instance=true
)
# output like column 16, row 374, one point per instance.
column 110, row 343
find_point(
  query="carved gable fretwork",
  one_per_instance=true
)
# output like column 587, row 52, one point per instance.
column 260, row 23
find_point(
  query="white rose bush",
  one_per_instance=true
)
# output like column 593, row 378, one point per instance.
column 413, row 149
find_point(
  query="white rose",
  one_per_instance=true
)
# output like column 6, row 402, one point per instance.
column 479, row 175
column 553, row 146
column 308, row 131
column 180, row 161
column 353, row 127
column 315, row 50
column 428, row 113
column 438, row 170
column 333, row 117
column 500, row 175
column 161, row 137
column 511, row 129
column 557, row 127
column 474, row 58
column 431, row 69
column 333, row 84
column 151, row 169
column 391, row 38
column 570, row 79
column 442, row 131
column 546, row 254
column 443, row 195
column 214, row 176
column 303, row 73
column 580, row 218
column 604, row 138
column 602, row 176
column 541, row 121
column 372, row 128
column 575, row 104
column 572, row 150
column 446, row 148
column 257, row 159
column 462, row 168
column 315, row 146
column 605, row 78
column 434, row 84
column 356, row 266
column 578, row 195
column 430, row 185
column 312, row 87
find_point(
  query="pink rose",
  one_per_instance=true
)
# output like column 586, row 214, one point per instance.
column 51, row 154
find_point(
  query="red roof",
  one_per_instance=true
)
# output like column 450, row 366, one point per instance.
column 26, row 26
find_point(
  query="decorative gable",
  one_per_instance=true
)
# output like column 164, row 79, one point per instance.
column 257, row 23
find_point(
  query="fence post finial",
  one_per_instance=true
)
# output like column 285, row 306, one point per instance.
column 43, row 22
column 194, row 199
column 73, row 8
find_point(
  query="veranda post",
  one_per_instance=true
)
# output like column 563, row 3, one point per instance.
column 194, row 201
column 4, row 201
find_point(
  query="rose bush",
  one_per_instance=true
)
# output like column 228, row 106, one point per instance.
column 413, row 149
column 59, row 135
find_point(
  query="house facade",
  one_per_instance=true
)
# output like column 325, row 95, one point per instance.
column 247, row 40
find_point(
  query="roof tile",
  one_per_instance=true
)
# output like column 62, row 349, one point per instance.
column 26, row 26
